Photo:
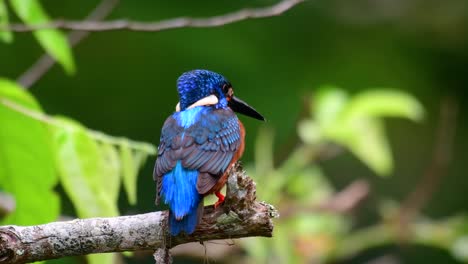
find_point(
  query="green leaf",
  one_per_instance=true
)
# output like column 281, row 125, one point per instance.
column 82, row 169
column 328, row 105
column 103, row 258
column 460, row 248
column 5, row 35
column 130, row 164
column 53, row 41
column 384, row 103
column 309, row 131
column 326, row 109
column 111, row 170
column 366, row 139
column 26, row 159
column 91, row 172
column 359, row 127
column 139, row 158
column 306, row 223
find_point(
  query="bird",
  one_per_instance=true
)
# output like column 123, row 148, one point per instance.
column 198, row 145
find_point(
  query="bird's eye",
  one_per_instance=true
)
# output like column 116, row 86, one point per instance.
column 227, row 90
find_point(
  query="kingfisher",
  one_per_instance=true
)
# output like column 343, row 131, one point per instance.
column 199, row 144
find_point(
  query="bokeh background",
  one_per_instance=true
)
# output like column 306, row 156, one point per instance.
column 125, row 84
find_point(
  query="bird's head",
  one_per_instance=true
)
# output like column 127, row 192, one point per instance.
column 203, row 87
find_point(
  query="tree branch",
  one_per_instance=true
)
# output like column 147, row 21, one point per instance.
column 174, row 23
column 240, row 216
column 347, row 199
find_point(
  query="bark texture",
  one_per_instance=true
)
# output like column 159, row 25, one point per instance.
column 240, row 216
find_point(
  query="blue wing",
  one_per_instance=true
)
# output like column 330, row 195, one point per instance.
column 205, row 142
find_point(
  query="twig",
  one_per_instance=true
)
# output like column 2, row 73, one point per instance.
column 240, row 216
column 348, row 198
column 216, row 250
column 162, row 256
column 45, row 62
column 174, row 23
column 341, row 202
column 97, row 135
column 438, row 166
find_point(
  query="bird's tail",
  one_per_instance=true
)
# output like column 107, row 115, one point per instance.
column 188, row 222
column 180, row 193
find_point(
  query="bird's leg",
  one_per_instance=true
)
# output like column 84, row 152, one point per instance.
column 220, row 199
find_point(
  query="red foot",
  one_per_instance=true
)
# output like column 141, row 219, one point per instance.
column 220, row 199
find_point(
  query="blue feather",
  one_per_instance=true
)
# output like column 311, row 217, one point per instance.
column 188, row 117
column 187, row 224
column 180, row 193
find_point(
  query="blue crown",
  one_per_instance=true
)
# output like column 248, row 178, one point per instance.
column 197, row 84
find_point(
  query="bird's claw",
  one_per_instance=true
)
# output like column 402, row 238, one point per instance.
column 220, row 199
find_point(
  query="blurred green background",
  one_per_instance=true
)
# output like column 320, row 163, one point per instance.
column 125, row 84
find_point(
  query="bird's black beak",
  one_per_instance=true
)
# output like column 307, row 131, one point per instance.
column 239, row 106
